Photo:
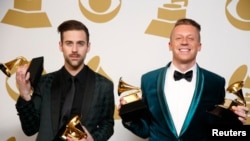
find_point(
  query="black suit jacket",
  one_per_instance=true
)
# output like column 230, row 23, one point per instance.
column 41, row 114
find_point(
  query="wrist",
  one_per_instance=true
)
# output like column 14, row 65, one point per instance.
column 26, row 97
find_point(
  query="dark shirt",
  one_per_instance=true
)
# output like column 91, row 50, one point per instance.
column 80, row 83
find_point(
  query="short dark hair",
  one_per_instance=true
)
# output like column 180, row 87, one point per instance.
column 72, row 25
column 187, row 21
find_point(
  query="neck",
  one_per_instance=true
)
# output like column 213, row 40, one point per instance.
column 183, row 67
column 74, row 71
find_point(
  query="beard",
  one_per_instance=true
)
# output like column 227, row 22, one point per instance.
column 75, row 64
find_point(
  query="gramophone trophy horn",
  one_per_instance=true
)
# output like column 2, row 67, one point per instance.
column 132, row 93
column 135, row 107
column 9, row 67
column 35, row 68
column 225, row 110
column 236, row 88
column 74, row 129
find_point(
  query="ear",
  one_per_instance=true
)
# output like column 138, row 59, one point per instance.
column 199, row 48
column 89, row 45
column 169, row 46
column 60, row 45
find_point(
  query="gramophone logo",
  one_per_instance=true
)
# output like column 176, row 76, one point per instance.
column 240, row 17
column 167, row 15
column 94, row 64
column 99, row 10
column 27, row 14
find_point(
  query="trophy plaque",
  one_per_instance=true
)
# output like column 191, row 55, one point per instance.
column 35, row 69
column 225, row 110
column 135, row 107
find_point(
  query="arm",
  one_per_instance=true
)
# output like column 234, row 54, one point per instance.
column 105, row 126
column 28, row 115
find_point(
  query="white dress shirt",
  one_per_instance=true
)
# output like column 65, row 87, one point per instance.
column 179, row 95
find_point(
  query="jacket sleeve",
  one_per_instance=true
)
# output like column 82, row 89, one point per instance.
column 104, row 128
column 28, row 115
column 138, row 127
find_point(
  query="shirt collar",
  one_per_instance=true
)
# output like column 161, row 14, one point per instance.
column 80, row 77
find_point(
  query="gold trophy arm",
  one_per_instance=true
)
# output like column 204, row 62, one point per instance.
column 10, row 67
column 236, row 88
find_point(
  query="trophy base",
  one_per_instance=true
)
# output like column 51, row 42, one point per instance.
column 133, row 110
column 35, row 69
column 226, row 116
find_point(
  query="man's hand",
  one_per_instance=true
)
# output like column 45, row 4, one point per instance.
column 121, row 102
column 23, row 82
column 242, row 112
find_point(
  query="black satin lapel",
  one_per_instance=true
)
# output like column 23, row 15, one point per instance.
column 88, row 92
column 55, row 101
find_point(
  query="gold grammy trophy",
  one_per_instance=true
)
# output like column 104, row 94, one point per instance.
column 135, row 107
column 35, row 68
column 74, row 129
column 226, row 107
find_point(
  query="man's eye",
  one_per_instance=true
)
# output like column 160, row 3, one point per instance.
column 69, row 44
column 190, row 38
column 81, row 43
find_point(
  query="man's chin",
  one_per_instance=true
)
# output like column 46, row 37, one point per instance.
column 75, row 64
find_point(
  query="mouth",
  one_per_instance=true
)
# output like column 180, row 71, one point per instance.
column 74, row 56
column 184, row 50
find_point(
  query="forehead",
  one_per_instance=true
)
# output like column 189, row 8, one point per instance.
column 185, row 29
column 74, row 34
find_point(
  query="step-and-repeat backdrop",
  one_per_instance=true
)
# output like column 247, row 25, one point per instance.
column 128, row 38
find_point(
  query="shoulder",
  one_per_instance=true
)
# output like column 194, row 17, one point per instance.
column 99, row 77
column 156, row 72
column 153, row 73
column 50, row 75
column 48, row 78
column 211, row 75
